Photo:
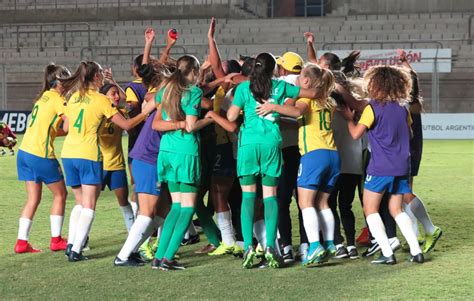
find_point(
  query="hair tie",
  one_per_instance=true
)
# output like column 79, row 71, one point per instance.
column 258, row 64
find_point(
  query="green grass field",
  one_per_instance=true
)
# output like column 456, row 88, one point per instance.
column 445, row 184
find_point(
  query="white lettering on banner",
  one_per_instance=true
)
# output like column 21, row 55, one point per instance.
column 448, row 126
column 422, row 60
column 17, row 121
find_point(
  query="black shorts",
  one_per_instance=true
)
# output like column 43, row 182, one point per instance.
column 224, row 163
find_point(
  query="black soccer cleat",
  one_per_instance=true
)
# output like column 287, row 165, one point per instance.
column 193, row 239
column 385, row 260
column 353, row 254
column 68, row 250
column 288, row 256
column 374, row 248
column 418, row 258
column 73, row 257
column 136, row 256
column 130, row 262
column 341, row 253
column 155, row 264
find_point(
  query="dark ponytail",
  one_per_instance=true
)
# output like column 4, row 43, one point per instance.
column 332, row 60
column 348, row 65
column 261, row 76
column 81, row 79
column 52, row 73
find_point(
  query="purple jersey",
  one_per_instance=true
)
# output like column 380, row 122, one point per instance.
column 147, row 145
column 389, row 138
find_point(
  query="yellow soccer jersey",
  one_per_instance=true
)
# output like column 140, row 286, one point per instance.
column 110, row 142
column 43, row 126
column 315, row 130
column 85, row 116
column 130, row 95
column 221, row 134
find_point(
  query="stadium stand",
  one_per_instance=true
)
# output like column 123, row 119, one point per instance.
column 26, row 48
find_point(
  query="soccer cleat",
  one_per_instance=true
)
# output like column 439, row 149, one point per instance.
column 418, row 258
column 259, row 251
column 2, row 152
column 431, row 240
column 73, row 257
column 341, row 252
column 136, row 256
column 145, row 251
column 363, row 239
column 155, row 264
column 330, row 250
column 154, row 247
column 86, row 246
column 374, row 248
column 206, row 249
column 385, row 260
column 248, row 257
column 263, row 264
column 68, row 249
column 12, row 152
column 352, row 252
column 421, row 239
column 272, row 258
column 315, row 256
column 223, row 249
column 193, row 239
column 288, row 254
column 57, row 244
column 167, row 265
column 22, row 246
column 302, row 252
column 238, row 251
column 130, row 262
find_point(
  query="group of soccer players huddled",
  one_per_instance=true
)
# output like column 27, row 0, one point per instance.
column 250, row 134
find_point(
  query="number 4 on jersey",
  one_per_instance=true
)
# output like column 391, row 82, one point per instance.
column 78, row 122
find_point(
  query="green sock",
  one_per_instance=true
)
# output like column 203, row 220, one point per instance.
column 270, row 206
column 246, row 217
column 179, row 231
column 168, row 229
column 208, row 225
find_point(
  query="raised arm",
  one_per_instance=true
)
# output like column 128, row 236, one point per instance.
column 149, row 39
column 165, row 55
column 310, row 47
column 214, row 57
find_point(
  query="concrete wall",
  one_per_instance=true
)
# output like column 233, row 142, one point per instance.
column 115, row 13
column 343, row 7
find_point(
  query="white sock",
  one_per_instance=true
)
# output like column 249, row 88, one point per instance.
column 405, row 225
column 186, row 235
column 240, row 243
column 191, row 229
column 24, row 228
column 56, row 224
column 419, row 210
column 136, row 233
column 413, row 218
column 260, row 232
column 73, row 220
column 287, row 249
column 158, row 232
column 134, row 207
column 224, row 221
column 128, row 215
column 377, row 228
column 83, row 228
column 349, row 248
column 326, row 220
column 311, row 224
column 146, row 236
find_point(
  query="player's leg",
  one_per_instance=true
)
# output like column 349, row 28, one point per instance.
column 58, row 189
column 374, row 221
column 270, row 206
column 346, row 198
column 34, row 191
column 249, row 195
column 306, row 199
column 326, row 220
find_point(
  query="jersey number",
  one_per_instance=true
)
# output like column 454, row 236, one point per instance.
column 78, row 122
column 323, row 124
column 34, row 113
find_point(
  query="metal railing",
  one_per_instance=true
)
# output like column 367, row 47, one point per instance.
column 434, row 74
column 19, row 29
